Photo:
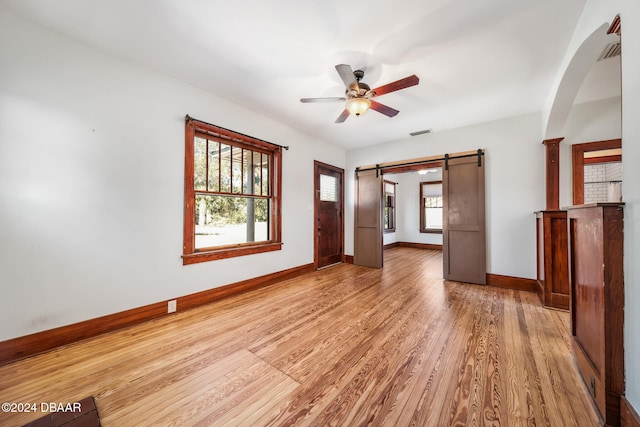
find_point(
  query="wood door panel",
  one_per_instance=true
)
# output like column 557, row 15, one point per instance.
column 467, row 259
column 595, row 234
column 463, row 197
column 553, row 258
column 368, row 253
column 369, row 203
column 329, row 224
column 559, row 259
column 329, row 242
column 589, row 294
column 463, row 236
column 368, row 220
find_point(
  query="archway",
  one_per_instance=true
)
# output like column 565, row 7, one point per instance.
column 572, row 79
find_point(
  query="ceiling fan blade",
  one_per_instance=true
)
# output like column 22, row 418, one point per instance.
column 381, row 108
column 343, row 116
column 346, row 74
column 397, row 85
column 329, row 99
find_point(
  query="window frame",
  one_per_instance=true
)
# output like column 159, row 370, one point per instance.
column 391, row 206
column 423, row 214
column 191, row 255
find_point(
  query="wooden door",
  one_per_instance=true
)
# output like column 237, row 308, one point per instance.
column 329, row 223
column 463, row 235
column 368, row 219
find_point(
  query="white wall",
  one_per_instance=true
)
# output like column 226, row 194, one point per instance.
column 630, row 16
column 514, row 181
column 91, row 183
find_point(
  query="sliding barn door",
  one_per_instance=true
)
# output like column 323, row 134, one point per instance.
column 368, row 220
column 463, row 235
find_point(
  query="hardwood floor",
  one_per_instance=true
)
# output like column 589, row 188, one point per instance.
column 344, row 346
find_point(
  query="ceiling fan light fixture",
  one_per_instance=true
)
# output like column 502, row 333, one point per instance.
column 358, row 106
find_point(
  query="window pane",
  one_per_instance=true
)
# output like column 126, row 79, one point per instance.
column 225, row 168
column 265, row 175
column 230, row 220
column 328, row 188
column 429, row 189
column 433, row 202
column 214, row 166
column 236, row 170
column 433, row 218
column 257, row 172
column 388, row 218
column 389, row 188
column 247, row 172
column 200, row 163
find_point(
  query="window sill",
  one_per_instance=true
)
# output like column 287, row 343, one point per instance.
column 431, row 230
column 197, row 257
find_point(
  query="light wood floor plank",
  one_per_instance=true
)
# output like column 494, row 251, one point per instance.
column 344, row 346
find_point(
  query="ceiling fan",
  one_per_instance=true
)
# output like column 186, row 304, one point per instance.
column 358, row 94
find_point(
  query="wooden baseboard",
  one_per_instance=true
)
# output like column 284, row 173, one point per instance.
column 429, row 246
column 628, row 415
column 39, row 342
column 510, row 282
column 348, row 259
column 540, row 291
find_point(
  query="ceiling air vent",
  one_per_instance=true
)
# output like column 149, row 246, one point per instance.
column 610, row 50
column 420, row 132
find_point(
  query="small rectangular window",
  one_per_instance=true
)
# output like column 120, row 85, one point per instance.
column 328, row 188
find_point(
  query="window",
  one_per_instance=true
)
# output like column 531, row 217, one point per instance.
column 389, row 212
column 328, row 188
column 431, row 207
column 232, row 194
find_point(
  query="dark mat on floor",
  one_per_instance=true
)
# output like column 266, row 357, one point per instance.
column 78, row 414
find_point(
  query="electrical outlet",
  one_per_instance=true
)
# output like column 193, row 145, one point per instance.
column 172, row 306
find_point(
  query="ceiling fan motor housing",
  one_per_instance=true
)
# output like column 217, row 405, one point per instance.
column 363, row 89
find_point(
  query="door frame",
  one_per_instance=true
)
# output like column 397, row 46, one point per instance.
column 316, row 208
column 578, row 162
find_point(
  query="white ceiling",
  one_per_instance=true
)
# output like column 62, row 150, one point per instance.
column 476, row 60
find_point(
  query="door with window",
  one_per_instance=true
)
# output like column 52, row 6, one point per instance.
column 329, row 223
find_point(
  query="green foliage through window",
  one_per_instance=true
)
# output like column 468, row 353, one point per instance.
column 231, row 185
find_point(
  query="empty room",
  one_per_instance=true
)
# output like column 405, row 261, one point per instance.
column 413, row 213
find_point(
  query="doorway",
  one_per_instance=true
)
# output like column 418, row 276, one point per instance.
column 328, row 218
column 464, row 239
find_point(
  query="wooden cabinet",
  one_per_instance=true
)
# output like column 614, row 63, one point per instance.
column 553, row 258
column 597, row 302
